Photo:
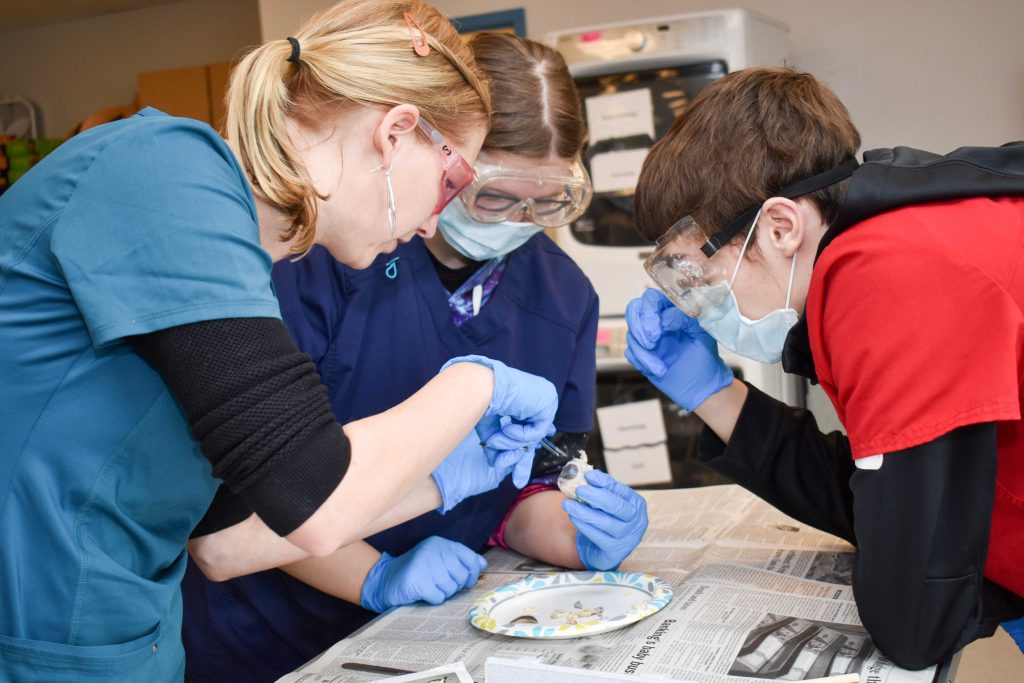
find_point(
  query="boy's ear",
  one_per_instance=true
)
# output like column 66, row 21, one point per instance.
column 784, row 224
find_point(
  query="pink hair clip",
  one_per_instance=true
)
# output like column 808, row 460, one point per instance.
column 422, row 49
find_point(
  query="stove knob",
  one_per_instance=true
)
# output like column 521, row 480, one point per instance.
column 635, row 40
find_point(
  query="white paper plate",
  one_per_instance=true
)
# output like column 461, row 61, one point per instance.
column 569, row 604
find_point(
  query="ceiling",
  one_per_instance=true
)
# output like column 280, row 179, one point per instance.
column 17, row 14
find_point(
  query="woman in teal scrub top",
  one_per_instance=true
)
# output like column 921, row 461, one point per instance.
column 144, row 360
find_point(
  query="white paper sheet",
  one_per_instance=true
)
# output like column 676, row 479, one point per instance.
column 635, row 444
column 631, row 424
column 617, row 170
column 620, row 115
column 502, row 670
column 639, row 465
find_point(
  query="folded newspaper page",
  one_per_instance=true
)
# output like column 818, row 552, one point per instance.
column 758, row 595
column 501, row 670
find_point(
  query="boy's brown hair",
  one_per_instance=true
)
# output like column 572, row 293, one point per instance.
column 743, row 138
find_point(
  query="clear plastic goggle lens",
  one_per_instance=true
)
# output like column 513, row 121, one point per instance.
column 548, row 212
column 680, row 279
column 683, row 273
column 500, row 195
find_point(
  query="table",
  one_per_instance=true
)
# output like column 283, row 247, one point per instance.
column 758, row 594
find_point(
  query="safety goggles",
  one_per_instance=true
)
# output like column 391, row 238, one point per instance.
column 456, row 173
column 792, row 191
column 686, row 275
column 498, row 195
column 687, row 265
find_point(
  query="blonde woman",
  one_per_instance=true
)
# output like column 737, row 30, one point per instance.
column 144, row 359
column 488, row 282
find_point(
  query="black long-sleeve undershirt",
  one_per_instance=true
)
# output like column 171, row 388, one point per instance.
column 256, row 406
column 920, row 523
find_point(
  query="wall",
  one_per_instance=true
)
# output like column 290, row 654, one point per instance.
column 935, row 75
column 72, row 69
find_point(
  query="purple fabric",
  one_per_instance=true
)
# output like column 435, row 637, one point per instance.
column 461, row 301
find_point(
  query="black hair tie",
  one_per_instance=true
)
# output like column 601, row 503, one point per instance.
column 294, row 57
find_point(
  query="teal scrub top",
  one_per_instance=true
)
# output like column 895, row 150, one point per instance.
column 128, row 228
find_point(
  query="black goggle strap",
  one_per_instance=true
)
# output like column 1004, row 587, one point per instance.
column 797, row 189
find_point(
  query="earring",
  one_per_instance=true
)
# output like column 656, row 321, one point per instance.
column 392, row 214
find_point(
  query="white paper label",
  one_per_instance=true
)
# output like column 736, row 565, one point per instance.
column 635, row 442
column 631, row 424
column 619, row 170
column 620, row 115
column 640, row 465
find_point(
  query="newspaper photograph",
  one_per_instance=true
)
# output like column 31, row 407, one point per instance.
column 788, row 648
column 746, row 605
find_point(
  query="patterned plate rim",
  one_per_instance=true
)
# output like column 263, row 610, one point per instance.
column 658, row 589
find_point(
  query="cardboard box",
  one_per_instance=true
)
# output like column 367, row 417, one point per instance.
column 178, row 92
column 218, row 76
column 196, row 92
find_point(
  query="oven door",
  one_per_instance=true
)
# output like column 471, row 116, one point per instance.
column 636, row 462
column 609, row 220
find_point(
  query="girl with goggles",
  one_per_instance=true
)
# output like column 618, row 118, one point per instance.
column 501, row 193
column 511, row 199
column 487, row 284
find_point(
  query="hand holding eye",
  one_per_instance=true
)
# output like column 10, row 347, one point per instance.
column 672, row 351
column 610, row 522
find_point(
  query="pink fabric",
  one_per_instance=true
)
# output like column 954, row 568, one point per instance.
column 498, row 537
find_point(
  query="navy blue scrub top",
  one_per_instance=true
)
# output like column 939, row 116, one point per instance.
column 128, row 228
column 377, row 336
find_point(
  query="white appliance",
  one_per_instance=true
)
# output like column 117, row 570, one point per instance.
column 633, row 78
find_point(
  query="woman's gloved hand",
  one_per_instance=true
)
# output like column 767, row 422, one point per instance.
column 610, row 525
column 433, row 571
column 672, row 350
column 520, row 414
column 466, row 472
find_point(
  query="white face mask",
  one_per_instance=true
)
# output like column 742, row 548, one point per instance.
column 482, row 241
column 761, row 340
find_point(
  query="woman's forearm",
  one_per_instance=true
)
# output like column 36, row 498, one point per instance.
column 340, row 574
column 392, row 455
column 393, row 452
column 244, row 548
column 540, row 528
column 251, row 546
column 422, row 499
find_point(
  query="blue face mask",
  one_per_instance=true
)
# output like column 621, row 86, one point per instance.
column 482, row 241
column 761, row 340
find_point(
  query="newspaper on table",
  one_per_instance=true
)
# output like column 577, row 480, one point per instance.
column 448, row 673
column 758, row 595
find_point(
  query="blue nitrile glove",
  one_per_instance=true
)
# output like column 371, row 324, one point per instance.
column 466, row 472
column 433, row 571
column 1016, row 631
column 672, row 350
column 520, row 414
column 610, row 525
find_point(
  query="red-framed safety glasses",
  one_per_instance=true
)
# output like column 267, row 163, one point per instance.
column 456, row 173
